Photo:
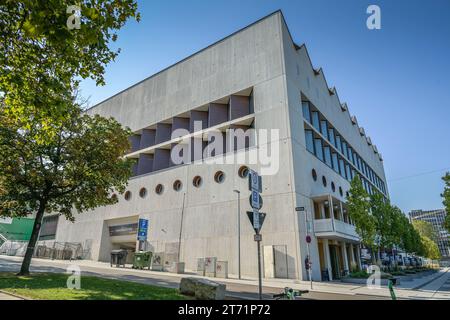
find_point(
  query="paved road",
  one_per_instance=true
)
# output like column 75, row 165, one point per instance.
column 234, row 291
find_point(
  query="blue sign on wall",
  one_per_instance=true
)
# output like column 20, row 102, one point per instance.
column 142, row 230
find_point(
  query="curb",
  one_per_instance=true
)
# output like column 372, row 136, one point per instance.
column 15, row 295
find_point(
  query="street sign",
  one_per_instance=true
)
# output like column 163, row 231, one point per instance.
column 257, row 237
column 142, row 230
column 300, row 209
column 308, row 239
column 260, row 216
column 254, row 181
column 256, row 201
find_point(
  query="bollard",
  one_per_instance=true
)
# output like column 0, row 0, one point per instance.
column 391, row 284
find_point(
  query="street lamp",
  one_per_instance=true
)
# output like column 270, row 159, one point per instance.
column 239, row 230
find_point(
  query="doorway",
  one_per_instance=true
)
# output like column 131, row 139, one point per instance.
column 335, row 262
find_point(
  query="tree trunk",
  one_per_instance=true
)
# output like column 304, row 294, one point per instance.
column 25, row 269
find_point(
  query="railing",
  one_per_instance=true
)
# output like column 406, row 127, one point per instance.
column 341, row 228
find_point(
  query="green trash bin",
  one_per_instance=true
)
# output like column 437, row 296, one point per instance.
column 142, row 260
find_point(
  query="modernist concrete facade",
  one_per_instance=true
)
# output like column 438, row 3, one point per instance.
column 256, row 78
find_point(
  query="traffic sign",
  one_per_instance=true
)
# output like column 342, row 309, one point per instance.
column 254, row 181
column 300, row 209
column 142, row 230
column 257, row 237
column 258, row 222
column 256, row 201
column 308, row 239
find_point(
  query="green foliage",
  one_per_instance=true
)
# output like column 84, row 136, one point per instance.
column 446, row 200
column 70, row 162
column 425, row 229
column 359, row 211
column 42, row 60
column 50, row 286
column 428, row 238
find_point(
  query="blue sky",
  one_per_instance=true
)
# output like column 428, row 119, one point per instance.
column 395, row 80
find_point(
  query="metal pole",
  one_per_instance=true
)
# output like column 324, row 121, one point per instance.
column 259, row 271
column 239, row 231
column 309, row 252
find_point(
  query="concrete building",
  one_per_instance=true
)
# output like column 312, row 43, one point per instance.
column 436, row 218
column 257, row 78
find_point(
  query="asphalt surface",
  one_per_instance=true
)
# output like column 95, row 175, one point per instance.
column 234, row 291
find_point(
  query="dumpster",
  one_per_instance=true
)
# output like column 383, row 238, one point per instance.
column 118, row 257
column 142, row 260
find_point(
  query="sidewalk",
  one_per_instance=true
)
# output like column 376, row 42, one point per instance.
column 407, row 290
column 6, row 296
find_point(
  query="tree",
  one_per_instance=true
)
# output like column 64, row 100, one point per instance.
column 428, row 238
column 41, row 57
column 430, row 248
column 358, row 206
column 446, row 200
column 425, row 229
column 382, row 212
column 68, row 163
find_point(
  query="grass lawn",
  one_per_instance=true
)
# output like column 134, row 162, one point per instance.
column 52, row 286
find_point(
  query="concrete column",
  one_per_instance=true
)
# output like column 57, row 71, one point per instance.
column 330, row 201
column 352, row 254
column 326, row 251
column 342, row 211
column 322, row 210
column 344, row 256
column 358, row 256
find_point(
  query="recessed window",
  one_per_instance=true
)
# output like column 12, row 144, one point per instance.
column 347, row 194
column 177, row 185
column 324, row 181
column 314, row 174
column 333, row 187
column 127, row 195
column 197, row 181
column 243, row 172
column 114, row 197
column 143, row 192
column 219, row 177
column 340, row 191
column 159, row 189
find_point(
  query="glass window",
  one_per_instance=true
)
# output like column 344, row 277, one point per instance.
column 344, row 148
column 318, row 147
column 327, row 154
column 348, row 171
column 350, row 155
column 338, row 143
column 334, row 156
column 324, row 128
column 315, row 120
column 331, row 136
column 342, row 167
column 358, row 162
column 309, row 140
column 306, row 111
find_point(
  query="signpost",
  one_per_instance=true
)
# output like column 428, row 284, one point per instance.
column 142, row 233
column 308, row 241
column 256, row 218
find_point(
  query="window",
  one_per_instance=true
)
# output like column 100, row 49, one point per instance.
column 333, row 187
column 143, row 192
column 318, row 147
column 315, row 120
column 344, row 149
column 159, row 189
column 324, row 128
column 342, row 167
column 306, row 111
column 327, row 154
column 338, row 143
column 350, row 155
column 331, row 136
column 324, row 181
column 334, row 156
column 348, row 171
column 197, row 181
column 127, row 195
column 309, row 140
column 243, row 172
column 314, row 174
column 340, row 191
column 219, row 177
column 177, row 185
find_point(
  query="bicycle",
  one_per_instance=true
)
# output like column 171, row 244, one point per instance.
column 289, row 294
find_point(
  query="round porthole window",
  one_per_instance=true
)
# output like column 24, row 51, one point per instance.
column 324, row 181
column 340, row 191
column 314, row 174
column 197, row 181
column 177, row 185
column 219, row 177
column 243, row 172
column 127, row 195
column 114, row 197
column 159, row 189
column 347, row 194
column 143, row 192
column 333, row 187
